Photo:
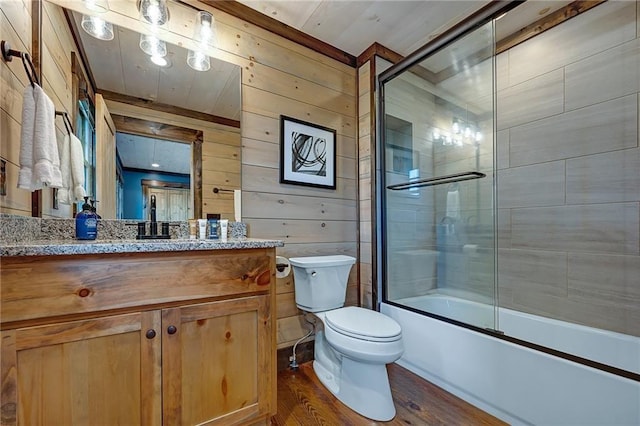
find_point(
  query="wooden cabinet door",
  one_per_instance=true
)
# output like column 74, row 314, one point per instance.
column 89, row 372
column 218, row 362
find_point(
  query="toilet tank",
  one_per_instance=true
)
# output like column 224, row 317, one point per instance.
column 321, row 281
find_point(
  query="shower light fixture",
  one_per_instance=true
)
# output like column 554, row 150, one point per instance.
column 97, row 27
column 154, row 12
column 198, row 60
column 98, row 6
column 152, row 45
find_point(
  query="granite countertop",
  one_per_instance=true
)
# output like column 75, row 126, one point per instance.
column 71, row 247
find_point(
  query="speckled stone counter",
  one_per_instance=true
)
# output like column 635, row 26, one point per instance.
column 73, row 247
column 27, row 236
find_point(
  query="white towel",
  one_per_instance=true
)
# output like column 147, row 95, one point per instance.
column 26, row 138
column 39, row 159
column 72, row 168
column 453, row 204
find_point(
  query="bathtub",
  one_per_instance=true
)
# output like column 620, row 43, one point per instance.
column 517, row 384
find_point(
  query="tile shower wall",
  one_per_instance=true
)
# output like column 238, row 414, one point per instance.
column 569, row 171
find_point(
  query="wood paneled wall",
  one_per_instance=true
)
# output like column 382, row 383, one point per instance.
column 15, row 27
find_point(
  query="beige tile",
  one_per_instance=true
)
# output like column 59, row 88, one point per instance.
column 607, row 228
column 502, row 70
column 535, row 270
column 502, row 147
column 607, row 75
column 595, row 314
column 504, row 228
column 615, row 279
column 599, row 128
column 531, row 186
column 539, row 97
column 604, row 178
column 598, row 29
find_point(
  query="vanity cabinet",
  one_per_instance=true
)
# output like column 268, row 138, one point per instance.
column 176, row 338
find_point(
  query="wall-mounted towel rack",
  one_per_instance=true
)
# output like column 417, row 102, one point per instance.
column 8, row 53
column 67, row 120
column 457, row 177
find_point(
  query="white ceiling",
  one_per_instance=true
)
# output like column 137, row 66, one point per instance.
column 400, row 25
column 139, row 152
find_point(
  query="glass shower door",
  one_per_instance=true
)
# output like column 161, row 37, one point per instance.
column 438, row 239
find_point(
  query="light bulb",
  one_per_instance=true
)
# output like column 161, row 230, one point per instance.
column 159, row 61
column 478, row 137
column 436, row 134
column 97, row 27
column 455, row 127
column 198, row 60
column 467, row 132
column 154, row 12
column 204, row 31
column 152, row 45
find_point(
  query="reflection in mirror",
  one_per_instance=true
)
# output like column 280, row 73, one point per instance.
column 201, row 107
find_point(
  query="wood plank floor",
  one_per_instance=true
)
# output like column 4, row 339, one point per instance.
column 303, row 400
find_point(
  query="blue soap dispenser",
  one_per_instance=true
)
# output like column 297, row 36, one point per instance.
column 86, row 222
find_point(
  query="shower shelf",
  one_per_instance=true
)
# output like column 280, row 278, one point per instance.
column 440, row 180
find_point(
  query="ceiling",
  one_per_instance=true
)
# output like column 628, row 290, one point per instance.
column 139, row 152
column 400, row 25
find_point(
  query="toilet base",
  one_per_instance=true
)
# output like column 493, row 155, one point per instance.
column 363, row 387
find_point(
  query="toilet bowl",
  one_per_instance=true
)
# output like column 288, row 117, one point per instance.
column 352, row 345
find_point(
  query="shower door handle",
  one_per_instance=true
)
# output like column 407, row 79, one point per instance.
column 440, row 180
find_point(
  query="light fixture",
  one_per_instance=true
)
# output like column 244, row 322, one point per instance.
column 160, row 61
column 456, row 136
column 198, row 60
column 154, row 12
column 155, row 165
column 204, row 32
column 98, row 6
column 152, row 45
column 97, row 27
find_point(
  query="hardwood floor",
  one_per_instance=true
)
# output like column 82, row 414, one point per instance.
column 303, row 400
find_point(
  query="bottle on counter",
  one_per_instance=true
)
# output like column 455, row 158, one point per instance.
column 86, row 222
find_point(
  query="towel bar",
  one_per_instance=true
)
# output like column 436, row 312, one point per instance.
column 457, row 177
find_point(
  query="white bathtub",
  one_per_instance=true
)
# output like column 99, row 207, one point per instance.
column 515, row 383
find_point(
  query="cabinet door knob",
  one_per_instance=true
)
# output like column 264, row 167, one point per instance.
column 172, row 329
column 151, row 333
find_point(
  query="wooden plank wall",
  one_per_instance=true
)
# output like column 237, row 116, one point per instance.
column 366, row 172
column 279, row 77
column 15, row 27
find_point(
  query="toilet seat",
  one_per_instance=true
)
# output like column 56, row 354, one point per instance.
column 363, row 324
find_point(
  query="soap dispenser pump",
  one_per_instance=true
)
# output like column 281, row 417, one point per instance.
column 86, row 222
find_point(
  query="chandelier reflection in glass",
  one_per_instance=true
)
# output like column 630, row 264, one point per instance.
column 461, row 132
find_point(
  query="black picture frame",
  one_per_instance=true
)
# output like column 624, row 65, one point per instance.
column 307, row 154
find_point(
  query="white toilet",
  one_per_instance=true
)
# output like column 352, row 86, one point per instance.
column 352, row 344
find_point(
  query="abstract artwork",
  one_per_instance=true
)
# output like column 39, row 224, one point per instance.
column 307, row 154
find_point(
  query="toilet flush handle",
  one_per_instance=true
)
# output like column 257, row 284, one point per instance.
column 313, row 273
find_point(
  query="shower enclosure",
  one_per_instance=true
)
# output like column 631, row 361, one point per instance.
column 439, row 161
column 508, row 186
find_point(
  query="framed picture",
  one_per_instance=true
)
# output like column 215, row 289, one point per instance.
column 307, row 154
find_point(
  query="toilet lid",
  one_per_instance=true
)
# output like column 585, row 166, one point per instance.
column 363, row 324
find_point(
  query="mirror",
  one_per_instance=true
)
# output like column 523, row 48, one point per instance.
column 161, row 114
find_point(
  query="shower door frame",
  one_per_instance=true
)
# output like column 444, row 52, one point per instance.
column 465, row 27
